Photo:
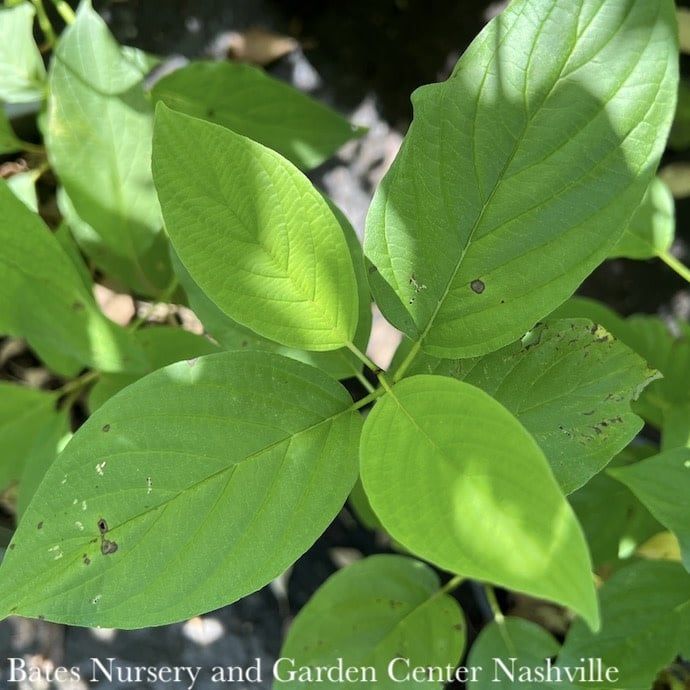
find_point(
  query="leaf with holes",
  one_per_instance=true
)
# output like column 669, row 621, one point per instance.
column 201, row 482
column 570, row 383
column 521, row 171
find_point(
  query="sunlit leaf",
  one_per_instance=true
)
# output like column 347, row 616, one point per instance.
column 458, row 481
column 521, row 171
column 256, row 236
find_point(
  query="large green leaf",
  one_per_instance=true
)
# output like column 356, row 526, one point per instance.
column 662, row 483
column 570, row 384
column 642, row 607
column 652, row 228
column 457, row 480
column 161, row 345
column 246, row 100
column 43, row 299
column 23, row 411
column 22, row 74
column 8, row 139
column 340, row 364
column 613, row 519
column 369, row 614
column 509, row 654
column 521, row 171
column 99, row 130
column 254, row 234
column 200, row 483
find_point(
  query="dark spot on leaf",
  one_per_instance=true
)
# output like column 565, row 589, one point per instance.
column 210, row 112
column 87, row 560
column 459, row 627
column 77, row 306
column 591, row 412
column 478, row 286
column 108, row 547
column 40, row 525
column 106, row 428
column 102, row 526
column 12, row 547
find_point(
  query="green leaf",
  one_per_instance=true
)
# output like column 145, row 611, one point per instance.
column 162, row 345
column 48, row 439
column 23, row 411
column 256, row 236
column 23, row 185
column 22, row 73
column 507, row 650
column 438, row 457
column 662, row 483
column 370, row 613
column 652, row 228
column 641, row 611
column 520, row 172
column 43, row 299
column 613, row 519
column 99, row 130
column 570, row 384
column 201, row 483
column 247, row 101
column 9, row 143
column 340, row 364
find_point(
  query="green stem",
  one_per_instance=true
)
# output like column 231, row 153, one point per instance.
column 65, row 11
column 370, row 398
column 363, row 358
column 452, row 584
column 44, row 22
column 163, row 298
column 70, row 392
column 362, row 379
column 493, row 603
column 407, row 362
column 681, row 269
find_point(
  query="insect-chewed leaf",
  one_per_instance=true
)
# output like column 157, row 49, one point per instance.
column 98, row 138
column 644, row 608
column 521, row 171
column 22, row 74
column 201, row 483
column 436, row 451
column 43, row 299
column 248, row 101
column 370, row 613
column 499, row 644
column 662, row 483
column 570, row 383
column 254, row 234
column 652, row 228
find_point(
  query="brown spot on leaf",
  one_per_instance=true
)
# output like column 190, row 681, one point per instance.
column 40, row 525
column 108, row 547
column 478, row 286
column 87, row 560
column 102, row 526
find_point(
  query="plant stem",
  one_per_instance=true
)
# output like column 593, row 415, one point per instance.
column 78, row 383
column 362, row 379
column 65, row 11
column 493, row 603
column 452, row 584
column 370, row 398
column 44, row 22
column 163, row 298
column 406, row 363
column 675, row 265
column 363, row 358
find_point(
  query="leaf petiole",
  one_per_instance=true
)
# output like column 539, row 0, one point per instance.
column 681, row 269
